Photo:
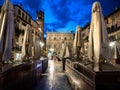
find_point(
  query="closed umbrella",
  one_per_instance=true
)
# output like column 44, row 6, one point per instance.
column 36, row 46
column 98, row 47
column 61, row 53
column 6, row 30
column 62, row 49
column 115, row 46
column 78, row 42
column 30, row 39
column 66, row 52
column 27, row 43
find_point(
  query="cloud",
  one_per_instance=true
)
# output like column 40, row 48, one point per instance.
column 61, row 11
column 65, row 15
column 70, row 10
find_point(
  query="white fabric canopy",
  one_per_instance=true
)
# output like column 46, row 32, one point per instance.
column 98, row 45
column 66, row 52
column 27, row 46
column 6, row 30
column 115, row 49
column 36, row 46
column 78, row 42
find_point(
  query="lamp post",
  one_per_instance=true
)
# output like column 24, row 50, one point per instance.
column 51, row 49
column 42, row 45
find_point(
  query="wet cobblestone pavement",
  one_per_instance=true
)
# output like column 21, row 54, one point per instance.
column 54, row 78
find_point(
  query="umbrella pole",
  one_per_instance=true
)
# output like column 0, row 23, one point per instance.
column 96, row 66
column 78, row 51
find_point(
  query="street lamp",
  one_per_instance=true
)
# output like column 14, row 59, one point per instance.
column 51, row 49
column 42, row 50
column 111, row 44
column 41, row 44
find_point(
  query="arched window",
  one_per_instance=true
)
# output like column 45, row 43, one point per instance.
column 54, row 38
column 54, row 46
column 65, row 38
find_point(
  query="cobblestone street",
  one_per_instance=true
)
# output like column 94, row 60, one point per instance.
column 54, row 78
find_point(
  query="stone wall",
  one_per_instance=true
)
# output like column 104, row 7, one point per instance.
column 55, row 40
column 77, row 79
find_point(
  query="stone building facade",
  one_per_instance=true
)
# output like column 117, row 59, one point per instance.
column 40, row 21
column 54, row 40
column 112, row 22
column 113, row 25
column 22, row 18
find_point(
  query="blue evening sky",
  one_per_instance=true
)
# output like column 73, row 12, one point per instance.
column 65, row 15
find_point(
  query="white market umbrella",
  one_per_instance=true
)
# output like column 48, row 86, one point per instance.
column 66, row 51
column 30, row 38
column 61, row 53
column 62, row 49
column 27, row 46
column 98, row 47
column 78, row 42
column 115, row 47
column 36, row 47
column 6, row 30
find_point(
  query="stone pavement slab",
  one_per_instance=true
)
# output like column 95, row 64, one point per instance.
column 54, row 78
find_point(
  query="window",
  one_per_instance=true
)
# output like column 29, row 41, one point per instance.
column 65, row 38
column 22, row 40
column 112, row 28
column 24, row 24
column 18, row 20
column 35, row 33
column 23, row 15
column 54, row 38
column 112, row 38
column 19, row 12
column 29, row 20
column 20, row 48
column 54, row 46
column 39, row 17
column 116, row 26
column 108, row 30
column 22, row 32
column 26, row 17
column 106, row 21
column 17, row 46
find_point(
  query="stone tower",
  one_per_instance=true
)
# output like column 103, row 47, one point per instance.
column 40, row 21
